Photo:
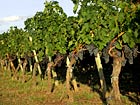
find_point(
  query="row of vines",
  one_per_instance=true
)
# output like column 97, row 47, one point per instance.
column 105, row 29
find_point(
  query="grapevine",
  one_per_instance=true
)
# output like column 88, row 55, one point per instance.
column 103, row 29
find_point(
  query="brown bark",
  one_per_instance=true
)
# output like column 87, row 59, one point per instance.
column 117, row 64
column 8, row 66
column 23, row 70
column 74, row 83
column 69, row 77
column 49, row 67
column 34, row 74
column 30, row 65
column 1, row 65
column 50, row 71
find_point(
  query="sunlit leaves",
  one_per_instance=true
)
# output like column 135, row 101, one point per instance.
column 97, row 22
column 15, row 41
column 48, row 30
column 107, row 19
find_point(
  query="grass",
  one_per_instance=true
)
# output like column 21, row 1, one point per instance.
column 17, row 93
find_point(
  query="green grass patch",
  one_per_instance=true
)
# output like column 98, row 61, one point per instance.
column 14, row 92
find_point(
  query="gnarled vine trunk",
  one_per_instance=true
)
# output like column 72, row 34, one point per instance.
column 69, row 78
column 34, row 74
column 117, row 64
column 55, row 82
column 49, row 67
column 23, row 70
column 1, row 65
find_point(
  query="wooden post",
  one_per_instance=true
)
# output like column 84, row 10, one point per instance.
column 34, row 75
column 36, row 59
column 30, row 65
column 13, row 70
column 54, row 74
column 49, row 67
column 35, row 56
column 101, row 74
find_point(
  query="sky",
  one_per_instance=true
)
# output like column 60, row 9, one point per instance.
column 15, row 12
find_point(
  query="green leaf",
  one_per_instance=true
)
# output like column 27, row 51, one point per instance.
column 138, row 6
column 70, row 43
column 121, row 17
column 125, row 38
column 118, row 46
column 75, row 7
column 132, row 44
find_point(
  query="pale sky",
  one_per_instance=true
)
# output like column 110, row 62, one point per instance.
column 15, row 12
